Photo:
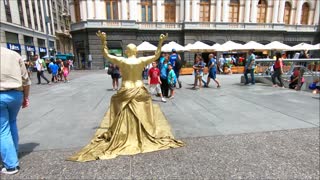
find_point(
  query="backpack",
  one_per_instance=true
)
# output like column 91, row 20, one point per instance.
column 110, row 70
column 178, row 64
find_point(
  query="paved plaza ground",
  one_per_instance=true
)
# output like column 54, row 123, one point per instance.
column 234, row 132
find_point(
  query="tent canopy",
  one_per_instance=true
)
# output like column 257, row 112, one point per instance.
column 172, row 45
column 200, row 47
column 253, row 45
column 146, row 46
column 276, row 45
column 303, row 46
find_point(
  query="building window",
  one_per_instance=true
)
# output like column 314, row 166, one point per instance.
column 12, row 38
column 21, row 13
column 262, row 11
column 170, row 10
column 34, row 15
column 204, row 10
column 305, row 14
column 40, row 15
column 7, row 9
column 50, row 16
column 28, row 40
column 112, row 9
column 287, row 13
column 28, row 14
column 146, row 10
column 41, row 43
column 77, row 10
column 234, row 11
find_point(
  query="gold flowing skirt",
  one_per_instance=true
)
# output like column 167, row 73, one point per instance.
column 132, row 125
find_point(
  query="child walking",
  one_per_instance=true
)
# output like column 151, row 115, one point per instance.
column 154, row 80
column 172, row 79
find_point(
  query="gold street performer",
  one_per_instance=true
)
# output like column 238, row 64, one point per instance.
column 133, row 124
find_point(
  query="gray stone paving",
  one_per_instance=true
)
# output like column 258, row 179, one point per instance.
column 234, row 132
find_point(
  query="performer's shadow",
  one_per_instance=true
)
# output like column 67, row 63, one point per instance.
column 26, row 148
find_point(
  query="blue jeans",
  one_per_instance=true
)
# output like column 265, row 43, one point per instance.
column 251, row 71
column 10, row 104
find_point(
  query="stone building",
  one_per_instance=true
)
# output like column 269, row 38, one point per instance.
column 187, row 21
column 23, row 26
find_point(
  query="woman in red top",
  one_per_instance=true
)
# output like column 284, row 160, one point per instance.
column 278, row 71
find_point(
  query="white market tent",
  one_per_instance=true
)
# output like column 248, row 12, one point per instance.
column 230, row 45
column 172, row 45
column 253, row 45
column 216, row 47
column 302, row 46
column 146, row 46
column 199, row 47
column 276, row 45
column 316, row 46
column 189, row 45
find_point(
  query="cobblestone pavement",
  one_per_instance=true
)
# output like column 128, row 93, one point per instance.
column 232, row 132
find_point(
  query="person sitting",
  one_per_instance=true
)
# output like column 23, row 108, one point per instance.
column 315, row 86
column 294, row 79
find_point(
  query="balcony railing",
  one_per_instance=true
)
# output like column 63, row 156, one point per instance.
column 128, row 24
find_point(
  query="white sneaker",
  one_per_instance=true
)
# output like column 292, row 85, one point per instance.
column 10, row 171
column 163, row 100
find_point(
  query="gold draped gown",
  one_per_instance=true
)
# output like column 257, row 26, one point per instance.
column 132, row 124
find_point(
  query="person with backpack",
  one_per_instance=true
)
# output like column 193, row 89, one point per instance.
column 40, row 64
column 176, row 63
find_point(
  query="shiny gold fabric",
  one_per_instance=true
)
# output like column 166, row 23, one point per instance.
column 132, row 125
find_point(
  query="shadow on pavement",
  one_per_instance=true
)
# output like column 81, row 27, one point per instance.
column 26, row 148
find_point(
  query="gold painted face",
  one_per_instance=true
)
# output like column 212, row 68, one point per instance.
column 131, row 50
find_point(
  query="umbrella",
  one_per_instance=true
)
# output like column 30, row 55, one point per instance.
column 200, row 46
column 216, row 47
column 302, row 46
column 172, row 45
column 229, row 45
column 316, row 47
column 146, row 46
column 188, row 46
column 276, row 45
column 253, row 45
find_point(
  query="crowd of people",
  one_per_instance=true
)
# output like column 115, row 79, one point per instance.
column 58, row 69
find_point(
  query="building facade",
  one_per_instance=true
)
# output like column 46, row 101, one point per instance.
column 24, row 30
column 187, row 21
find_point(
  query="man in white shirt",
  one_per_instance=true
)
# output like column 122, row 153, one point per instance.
column 40, row 69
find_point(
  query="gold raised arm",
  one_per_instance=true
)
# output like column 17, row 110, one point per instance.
column 103, row 38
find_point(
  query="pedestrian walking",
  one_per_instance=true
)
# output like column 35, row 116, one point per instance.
column 14, row 92
column 212, row 68
column 154, row 81
column 40, row 64
column 249, row 68
column 278, row 71
column 176, row 63
column 172, row 79
column 163, row 67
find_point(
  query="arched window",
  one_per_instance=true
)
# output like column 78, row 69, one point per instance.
column 204, row 10
column 112, row 9
column 170, row 10
column 262, row 11
column 287, row 13
column 234, row 11
column 305, row 13
column 146, row 10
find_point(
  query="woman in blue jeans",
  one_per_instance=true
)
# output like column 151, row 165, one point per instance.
column 14, row 92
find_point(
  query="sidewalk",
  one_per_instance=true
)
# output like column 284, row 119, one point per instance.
column 234, row 132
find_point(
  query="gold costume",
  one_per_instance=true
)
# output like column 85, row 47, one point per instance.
column 133, row 124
